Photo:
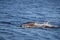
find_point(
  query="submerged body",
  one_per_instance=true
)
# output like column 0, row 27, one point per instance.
column 37, row 25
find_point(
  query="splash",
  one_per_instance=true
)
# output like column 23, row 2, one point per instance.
column 38, row 25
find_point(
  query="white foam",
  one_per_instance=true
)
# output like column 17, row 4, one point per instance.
column 43, row 24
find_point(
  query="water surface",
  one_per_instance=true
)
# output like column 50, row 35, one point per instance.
column 15, row 12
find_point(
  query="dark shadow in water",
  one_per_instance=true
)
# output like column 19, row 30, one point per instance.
column 5, row 22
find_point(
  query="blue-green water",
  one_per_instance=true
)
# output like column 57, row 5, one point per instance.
column 15, row 12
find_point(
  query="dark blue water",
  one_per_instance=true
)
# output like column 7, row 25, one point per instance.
column 15, row 12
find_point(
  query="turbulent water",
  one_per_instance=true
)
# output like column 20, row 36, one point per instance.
column 15, row 12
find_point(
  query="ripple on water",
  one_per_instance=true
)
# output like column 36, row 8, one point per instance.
column 14, row 12
column 2, row 38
